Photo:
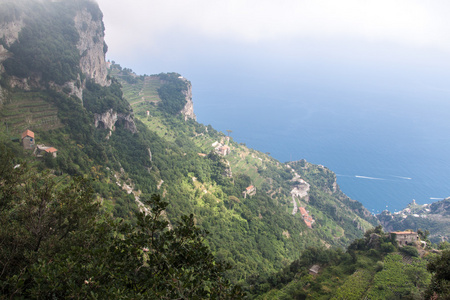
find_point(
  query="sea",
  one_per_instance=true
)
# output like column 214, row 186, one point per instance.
column 380, row 120
column 387, row 139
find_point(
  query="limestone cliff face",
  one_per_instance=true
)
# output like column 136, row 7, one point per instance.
column 92, row 47
column 108, row 120
column 9, row 31
column 188, row 109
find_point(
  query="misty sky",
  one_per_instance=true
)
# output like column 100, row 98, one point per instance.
column 398, row 46
column 171, row 31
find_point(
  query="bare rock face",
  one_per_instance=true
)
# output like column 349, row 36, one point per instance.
column 188, row 109
column 92, row 47
column 108, row 120
column 10, row 31
column 227, row 171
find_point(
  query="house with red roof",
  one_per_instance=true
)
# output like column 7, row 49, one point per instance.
column 250, row 191
column 28, row 139
column 42, row 149
column 306, row 217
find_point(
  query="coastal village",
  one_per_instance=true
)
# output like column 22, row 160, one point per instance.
column 300, row 190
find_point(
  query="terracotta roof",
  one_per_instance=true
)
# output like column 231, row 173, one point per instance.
column 250, row 188
column 51, row 150
column 404, row 232
column 308, row 224
column 28, row 133
column 302, row 210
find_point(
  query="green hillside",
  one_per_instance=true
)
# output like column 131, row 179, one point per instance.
column 373, row 267
column 265, row 220
column 142, row 202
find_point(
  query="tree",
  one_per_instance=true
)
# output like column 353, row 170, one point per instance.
column 55, row 242
column 439, row 266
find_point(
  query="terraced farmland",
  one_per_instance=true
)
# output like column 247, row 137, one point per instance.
column 29, row 110
column 144, row 91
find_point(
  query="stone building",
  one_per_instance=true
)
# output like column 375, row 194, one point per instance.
column 28, row 139
column 42, row 149
column 405, row 237
column 250, row 191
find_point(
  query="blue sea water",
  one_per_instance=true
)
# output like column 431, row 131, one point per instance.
column 387, row 144
column 377, row 116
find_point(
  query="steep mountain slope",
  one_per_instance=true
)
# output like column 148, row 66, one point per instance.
column 53, row 82
column 266, row 218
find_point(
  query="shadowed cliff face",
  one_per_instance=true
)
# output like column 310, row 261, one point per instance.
column 188, row 109
column 108, row 120
column 70, row 35
column 92, row 47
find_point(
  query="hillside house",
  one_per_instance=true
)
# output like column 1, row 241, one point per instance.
column 314, row 270
column 223, row 150
column 250, row 191
column 303, row 211
column 42, row 149
column 405, row 237
column 28, row 139
column 306, row 217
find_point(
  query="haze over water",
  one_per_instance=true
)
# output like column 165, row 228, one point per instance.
column 359, row 87
column 387, row 146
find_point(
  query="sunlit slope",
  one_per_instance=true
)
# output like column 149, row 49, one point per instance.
column 337, row 218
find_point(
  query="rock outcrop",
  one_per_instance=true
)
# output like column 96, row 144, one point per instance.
column 9, row 31
column 92, row 47
column 188, row 109
column 108, row 120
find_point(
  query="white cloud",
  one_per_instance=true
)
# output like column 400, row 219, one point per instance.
column 141, row 23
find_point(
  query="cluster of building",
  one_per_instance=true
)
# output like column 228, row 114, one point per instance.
column 306, row 217
column 415, row 210
column 249, row 191
column 221, row 149
column 28, row 143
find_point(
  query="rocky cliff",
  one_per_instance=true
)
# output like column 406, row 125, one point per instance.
column 188, row 109
column 108, row 120
column 92, row 47
column 81, row 22
column 9, row 33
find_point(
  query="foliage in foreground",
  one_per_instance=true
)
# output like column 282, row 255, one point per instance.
column 56, row 243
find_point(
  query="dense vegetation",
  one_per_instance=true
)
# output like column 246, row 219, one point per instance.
column 372, row 267
column 55, row 242
column 171, row 93
column 93, row 239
